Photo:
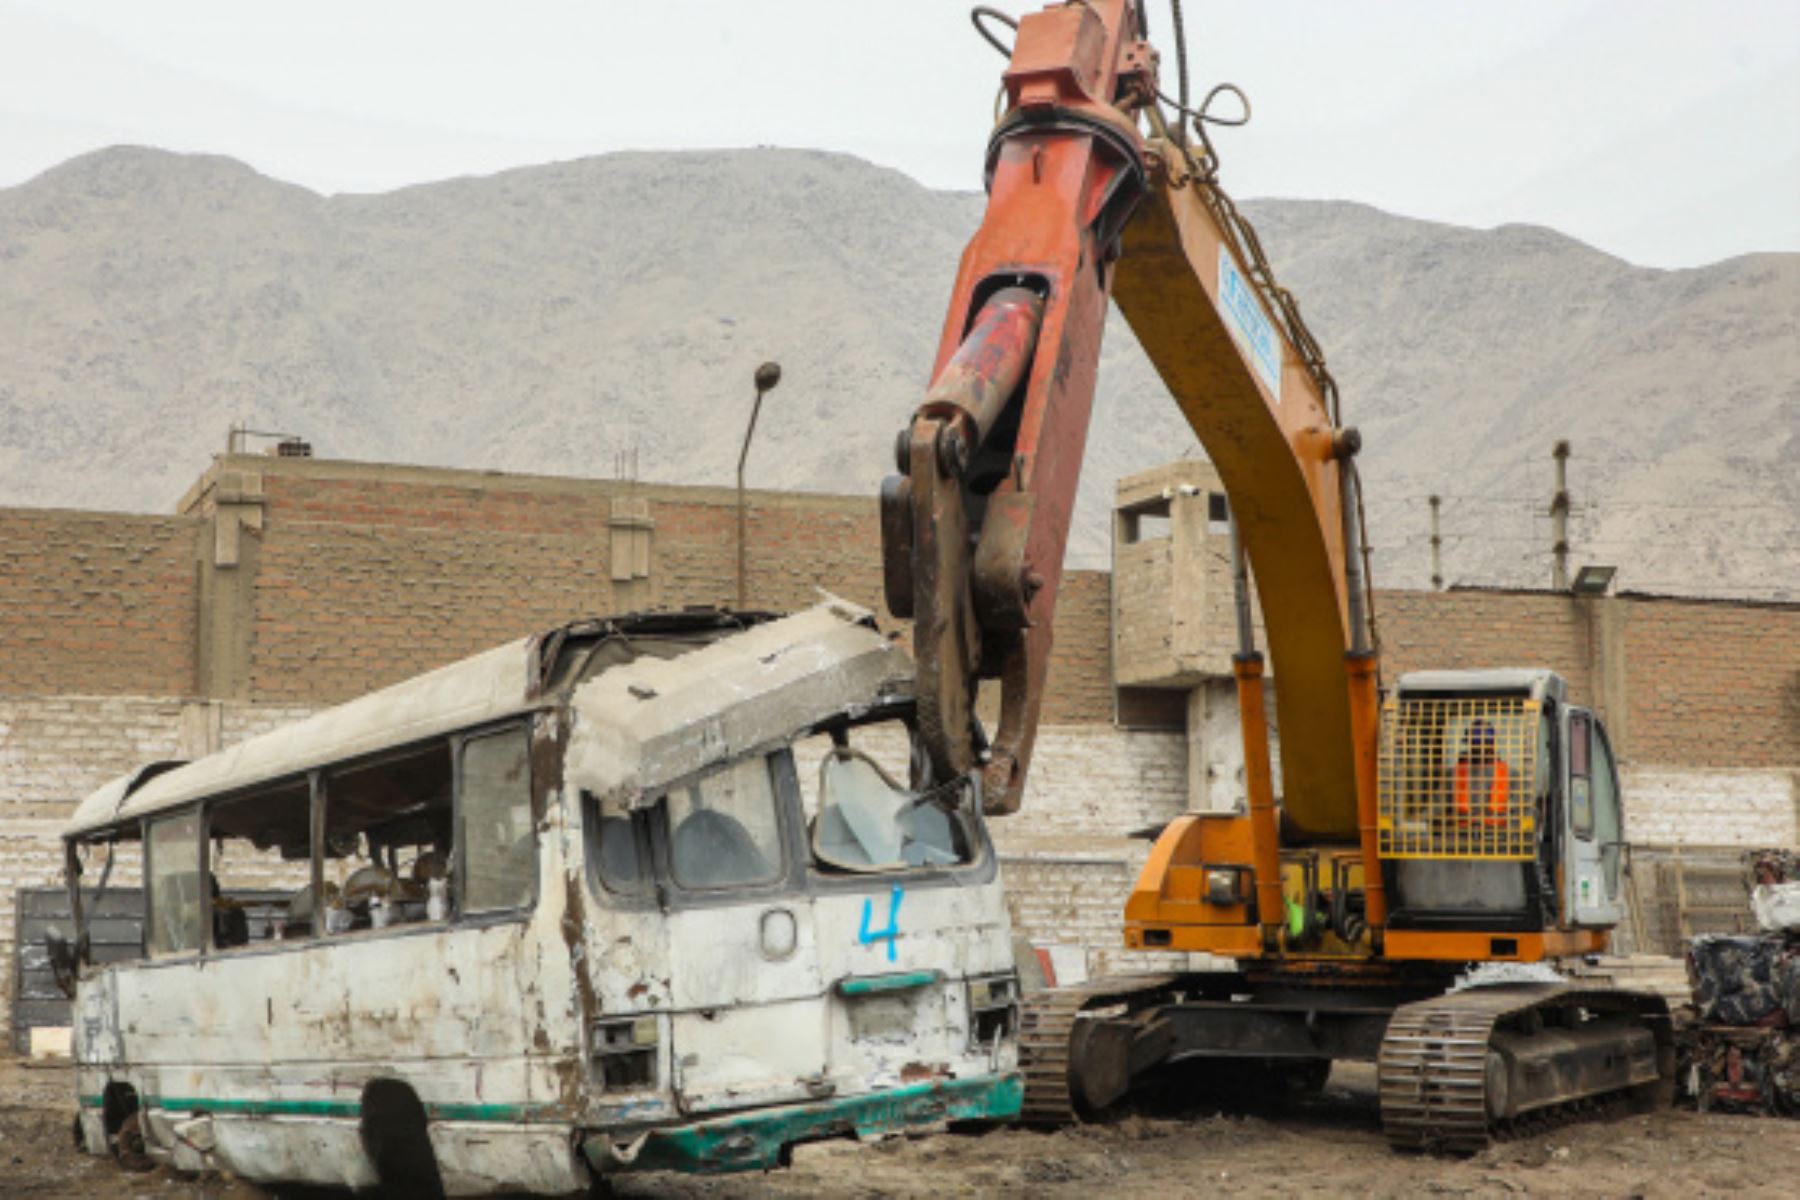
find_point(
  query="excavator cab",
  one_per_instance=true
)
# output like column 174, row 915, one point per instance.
column 1499, row 806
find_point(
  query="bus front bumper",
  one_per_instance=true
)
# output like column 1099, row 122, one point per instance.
column 759, row 1140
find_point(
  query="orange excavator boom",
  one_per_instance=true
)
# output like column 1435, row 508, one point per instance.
column 1090, row 198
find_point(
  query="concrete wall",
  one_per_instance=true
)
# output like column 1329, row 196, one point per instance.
column 1173, row 620
column 1215, row 747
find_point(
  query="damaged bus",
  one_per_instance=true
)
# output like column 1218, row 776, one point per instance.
column 663, row 892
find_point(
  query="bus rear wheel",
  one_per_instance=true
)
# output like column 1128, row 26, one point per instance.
column 129, row 1147
column 396, row 1135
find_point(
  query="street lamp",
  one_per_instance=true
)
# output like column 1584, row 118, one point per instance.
column 767, row 376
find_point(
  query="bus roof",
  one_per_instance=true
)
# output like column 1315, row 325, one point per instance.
column 638, row 722
column 486, row 687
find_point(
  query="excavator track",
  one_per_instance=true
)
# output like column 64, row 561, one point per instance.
column 1047, row 1023
column 1443, row 1081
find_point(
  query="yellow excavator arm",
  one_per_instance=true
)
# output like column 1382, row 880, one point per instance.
column 1262, row 417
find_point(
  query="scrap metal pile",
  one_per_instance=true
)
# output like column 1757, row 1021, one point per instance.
column 1742, row 1052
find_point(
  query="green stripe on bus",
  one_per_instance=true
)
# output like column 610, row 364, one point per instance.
column 514, row 1113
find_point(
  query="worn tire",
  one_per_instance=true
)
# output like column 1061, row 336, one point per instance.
column 128, row 1145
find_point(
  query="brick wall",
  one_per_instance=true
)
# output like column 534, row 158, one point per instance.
column 1080, row 686
column 340, row 611
column 1144, row 643
column 365, row 576
column 1075, row 900
column 96, row 603
column 355, row 576
column 1094, row 779
column 53, row 751
column 1067, row 859
column 1690, row 683
column 362, row 582
column 1712, row 685
column 1470, row 629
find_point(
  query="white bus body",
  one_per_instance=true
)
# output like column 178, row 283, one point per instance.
column 567, row 908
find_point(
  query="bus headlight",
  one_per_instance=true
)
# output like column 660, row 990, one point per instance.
column 993, row 1008
column 625, row 1052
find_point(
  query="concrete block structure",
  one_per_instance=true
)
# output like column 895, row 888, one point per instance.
column 1174, row 624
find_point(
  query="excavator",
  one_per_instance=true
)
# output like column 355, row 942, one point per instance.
column 1438, row 844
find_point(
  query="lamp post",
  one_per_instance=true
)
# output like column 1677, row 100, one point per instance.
column 1593, row 580
column 767, row 376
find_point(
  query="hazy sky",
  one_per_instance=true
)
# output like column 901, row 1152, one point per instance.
column 1664, row 131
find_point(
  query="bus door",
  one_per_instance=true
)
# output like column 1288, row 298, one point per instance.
column 748, row 1023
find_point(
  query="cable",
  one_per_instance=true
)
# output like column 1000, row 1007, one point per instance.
column 1181, row 68
column 1368, row 551
column 980, row 11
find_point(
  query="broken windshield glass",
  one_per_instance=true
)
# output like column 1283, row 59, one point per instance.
column 868, row 822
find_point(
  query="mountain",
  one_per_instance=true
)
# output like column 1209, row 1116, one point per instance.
column 550, row 318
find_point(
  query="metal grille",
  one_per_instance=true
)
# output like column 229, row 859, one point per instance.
column 1460, row 778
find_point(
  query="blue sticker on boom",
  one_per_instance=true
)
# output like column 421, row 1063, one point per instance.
column 1248, row 323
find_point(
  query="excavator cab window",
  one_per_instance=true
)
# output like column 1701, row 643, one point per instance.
column 1581, row 789
column 1607, row 822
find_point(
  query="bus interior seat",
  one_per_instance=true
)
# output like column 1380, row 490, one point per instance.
column 618, row 851
column 712, row 849
column 431, row 864
column 231, row 924
column 366, row 883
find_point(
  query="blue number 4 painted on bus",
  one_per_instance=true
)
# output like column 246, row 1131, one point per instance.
column 891, row 934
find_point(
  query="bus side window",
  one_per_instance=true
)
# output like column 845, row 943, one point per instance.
column 615, row 847
column 260, row 865
column 499, row 835
column 388, row 840
column 175, row 896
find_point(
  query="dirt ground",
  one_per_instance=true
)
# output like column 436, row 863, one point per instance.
column 1329, row 1143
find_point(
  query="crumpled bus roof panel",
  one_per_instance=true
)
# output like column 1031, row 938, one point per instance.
column 651, row 722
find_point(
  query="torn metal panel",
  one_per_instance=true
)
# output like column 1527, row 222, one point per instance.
column 756, row 1141
column 481, row 1158
column 304, row 1149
